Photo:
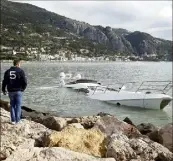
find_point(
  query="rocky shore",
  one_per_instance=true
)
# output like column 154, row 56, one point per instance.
column 103, row 137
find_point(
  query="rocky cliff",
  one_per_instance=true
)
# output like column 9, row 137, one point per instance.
column 115, row 39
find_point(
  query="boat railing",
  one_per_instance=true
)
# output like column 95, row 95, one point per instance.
column 105, row 88
column 144, row 86
column 163, row 88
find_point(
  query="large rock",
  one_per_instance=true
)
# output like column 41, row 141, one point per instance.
column 54, row 123
column 146, row 128
column 5, row 105
column 149, row 150
column 110, row 124
column 119, row 148
column 90, row 141
column 52, row 154
column 74, row 120
column 86, row 121
column 122, row 148
column 25, row 134
column 154, row 135
column 165, row 136
column 89, row 121
column 127, row 120
column 33, row 115
column 76, row 125
column 101, row 114
column 149, row 130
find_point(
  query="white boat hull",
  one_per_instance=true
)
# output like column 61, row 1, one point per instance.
column 148, row 104
column 133, row 99
column 81, row 85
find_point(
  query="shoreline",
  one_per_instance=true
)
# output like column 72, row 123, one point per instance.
column 99, row 137
column 158, row 121
column 54, row 61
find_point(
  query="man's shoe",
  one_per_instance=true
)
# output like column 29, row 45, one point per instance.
column 13, row 123
column 19, row 122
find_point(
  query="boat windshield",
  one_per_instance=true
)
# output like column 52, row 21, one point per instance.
column 145, row 87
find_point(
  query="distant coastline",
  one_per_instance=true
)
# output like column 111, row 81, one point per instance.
column 70, row 61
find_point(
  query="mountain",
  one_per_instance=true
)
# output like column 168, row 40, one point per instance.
column 27, row 25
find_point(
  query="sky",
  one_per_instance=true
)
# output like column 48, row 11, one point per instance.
column 153, row 17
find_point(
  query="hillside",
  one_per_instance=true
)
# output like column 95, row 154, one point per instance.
column 25, row 26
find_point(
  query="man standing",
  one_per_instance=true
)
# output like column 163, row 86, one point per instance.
column 16, row 82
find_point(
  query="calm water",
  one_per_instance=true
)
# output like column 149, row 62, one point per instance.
column 42, row 96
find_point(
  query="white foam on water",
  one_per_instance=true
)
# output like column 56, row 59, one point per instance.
column 41, row 88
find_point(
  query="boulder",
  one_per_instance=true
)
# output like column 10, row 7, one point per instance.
column 76, row 125
column 127, row 120
column 149, row 150
column 146, row 128
column 122, row 148
column 90, row 141
column 165, row 136
column 86, row 121
column 88, row 124
column 33, row 114
column 149, row 130
column 52, row 154
column 154, row 135
column 101, row 114
column 119, row 148
column 5, row 117
column 110, row 124
column 22, row 135
column 5, row 105
column 54, row 123
column 74, row 120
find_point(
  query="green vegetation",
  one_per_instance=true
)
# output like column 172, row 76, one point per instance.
column 24, row 26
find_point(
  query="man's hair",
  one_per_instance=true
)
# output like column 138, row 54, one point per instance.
column 16, row 61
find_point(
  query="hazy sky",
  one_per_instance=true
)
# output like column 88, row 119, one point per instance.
column 153, row 17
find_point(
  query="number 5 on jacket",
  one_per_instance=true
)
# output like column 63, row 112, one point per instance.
column 12, row 74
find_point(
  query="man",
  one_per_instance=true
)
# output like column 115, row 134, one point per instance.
column 16, row 82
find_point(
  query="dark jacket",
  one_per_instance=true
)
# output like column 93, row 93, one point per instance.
column 14, row 79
